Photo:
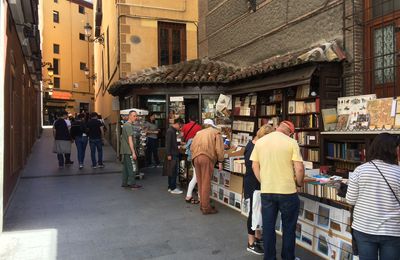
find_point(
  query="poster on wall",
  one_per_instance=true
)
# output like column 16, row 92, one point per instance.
column 380, row 113
column 356, row 108
column 176, row 109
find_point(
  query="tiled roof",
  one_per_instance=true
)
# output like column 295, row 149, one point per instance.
column 327, row 52
column 193, row 71
column 205, row 71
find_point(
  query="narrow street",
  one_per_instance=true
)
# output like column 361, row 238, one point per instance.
column 85, row 214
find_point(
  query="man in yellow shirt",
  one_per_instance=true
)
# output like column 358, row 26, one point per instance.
column 278, row 165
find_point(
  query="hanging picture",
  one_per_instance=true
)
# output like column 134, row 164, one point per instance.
column 353, row 104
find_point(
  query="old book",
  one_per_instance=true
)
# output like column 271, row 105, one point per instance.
column 291, row 107
column 300, row 107
column 329, row 118
column 342, row 122
column 397, row 121
column 379, row 111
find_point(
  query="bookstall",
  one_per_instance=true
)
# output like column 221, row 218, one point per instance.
column 240, row 102
column 324, row 218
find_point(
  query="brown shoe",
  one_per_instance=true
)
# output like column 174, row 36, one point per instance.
column 209, row 211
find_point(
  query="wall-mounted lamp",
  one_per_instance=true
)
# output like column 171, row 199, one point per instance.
column 88, row 34
column 50, row 70
column 87, row 72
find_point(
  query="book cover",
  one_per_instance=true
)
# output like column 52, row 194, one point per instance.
column 354, row 104
column 329, row 118
column 300, row 107
column 342, row 122
column 379, row 111
column 397, row 121
column 291, row 107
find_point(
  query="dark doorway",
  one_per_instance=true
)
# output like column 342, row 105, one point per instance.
column 191, row 108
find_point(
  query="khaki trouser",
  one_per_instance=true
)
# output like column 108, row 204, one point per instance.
column 204, row 170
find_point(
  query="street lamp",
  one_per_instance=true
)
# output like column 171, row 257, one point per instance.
column 87, row 72
column 88, row 34
column 50, row 69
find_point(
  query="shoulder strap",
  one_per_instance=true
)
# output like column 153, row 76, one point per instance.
column 385, row 181
column 184, row 137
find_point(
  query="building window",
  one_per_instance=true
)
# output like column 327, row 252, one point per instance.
column 56, row 48
column 56, row 82
column 82, row 66
column 56, row 66
column 56, row 17
column 81, row 36
column 382, row 43
column 171, row 43
column 81, row 9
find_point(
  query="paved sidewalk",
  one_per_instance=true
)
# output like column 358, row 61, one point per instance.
column 85, row 214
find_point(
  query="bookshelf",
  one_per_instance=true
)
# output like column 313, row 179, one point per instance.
column 157, row 105
column 244, row 123
column 346, row 150
column 303, row 108
column 270, row 107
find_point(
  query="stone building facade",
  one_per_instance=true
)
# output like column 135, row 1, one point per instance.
column 239, row 32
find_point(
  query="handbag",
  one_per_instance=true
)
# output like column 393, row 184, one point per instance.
column 256, row 218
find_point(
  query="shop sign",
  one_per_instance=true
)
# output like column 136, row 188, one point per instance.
column 61, row 95
column 175, row 99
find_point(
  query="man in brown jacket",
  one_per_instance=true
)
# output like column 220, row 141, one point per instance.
column 207, row 148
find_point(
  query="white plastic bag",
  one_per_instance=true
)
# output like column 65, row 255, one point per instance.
column 256, row 220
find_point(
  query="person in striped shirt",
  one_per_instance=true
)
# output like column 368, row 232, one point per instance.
column 376, row 219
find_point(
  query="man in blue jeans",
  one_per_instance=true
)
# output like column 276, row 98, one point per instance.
column 278, row 165
column 95, row 134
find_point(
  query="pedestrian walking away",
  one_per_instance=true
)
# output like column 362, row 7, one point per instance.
column 79, row 134
column 207, row 148
column 95, row 134
column 129, row 153
column 278, row 166
column 62, row 140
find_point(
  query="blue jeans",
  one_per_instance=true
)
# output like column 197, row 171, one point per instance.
column 81, row 143
column 288, row 205
column 172, row 178
column 96, row 144
column 370, row 246
column 152, row 151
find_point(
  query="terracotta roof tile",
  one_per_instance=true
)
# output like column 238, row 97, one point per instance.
column 205, row 71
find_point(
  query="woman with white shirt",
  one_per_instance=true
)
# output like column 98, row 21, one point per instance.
column 374, row 190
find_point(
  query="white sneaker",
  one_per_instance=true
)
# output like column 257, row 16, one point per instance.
column 169, row 190
column 176, row 191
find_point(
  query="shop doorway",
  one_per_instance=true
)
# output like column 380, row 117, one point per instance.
column 191, row 108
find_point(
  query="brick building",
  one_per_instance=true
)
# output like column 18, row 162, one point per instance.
column 21, row 92
column 247, row 32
